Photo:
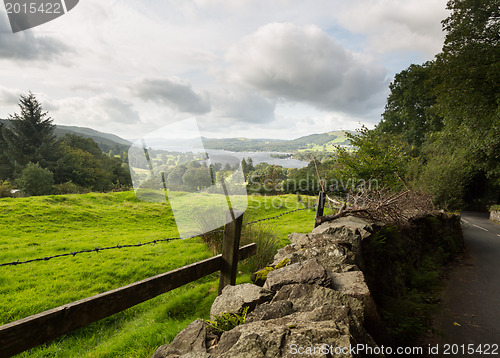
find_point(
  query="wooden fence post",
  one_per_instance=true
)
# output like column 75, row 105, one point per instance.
column 319, row 209
column 230, row 247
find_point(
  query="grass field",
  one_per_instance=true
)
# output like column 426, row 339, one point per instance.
column 49, row 225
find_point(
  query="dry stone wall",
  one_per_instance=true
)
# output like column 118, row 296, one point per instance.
column 495, row 216
column 318, row 305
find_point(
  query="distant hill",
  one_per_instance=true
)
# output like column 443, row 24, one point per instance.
column 105, row 141
column 309, row 142
column 313, row 142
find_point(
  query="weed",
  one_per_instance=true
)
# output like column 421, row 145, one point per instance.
column 226, row 321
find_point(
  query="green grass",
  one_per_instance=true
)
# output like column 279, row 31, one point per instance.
column 42, row 226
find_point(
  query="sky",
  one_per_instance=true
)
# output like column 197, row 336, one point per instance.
column 241, row 68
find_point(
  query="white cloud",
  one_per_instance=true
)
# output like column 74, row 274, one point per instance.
column 9, row 97
column 172, row 92
column 241, row 105
column 395, row 25
column 103, row 112
column 304, row 64
column 25, row 46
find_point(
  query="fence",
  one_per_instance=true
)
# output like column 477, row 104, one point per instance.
column 26, row 333
column 29, row 332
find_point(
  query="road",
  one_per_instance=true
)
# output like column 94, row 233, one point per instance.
column 470, row 302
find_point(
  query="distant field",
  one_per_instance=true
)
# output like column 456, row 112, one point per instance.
column 41, row 226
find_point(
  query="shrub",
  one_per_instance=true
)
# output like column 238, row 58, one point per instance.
column 69, row 188
column 267, row 245
column 5, row 190
column 35, row 180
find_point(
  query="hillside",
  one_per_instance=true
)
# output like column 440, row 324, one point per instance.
column 106, row 141
column 309, row 142
column 315, row 142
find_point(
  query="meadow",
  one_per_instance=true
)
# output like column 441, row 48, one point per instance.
column 49, row 225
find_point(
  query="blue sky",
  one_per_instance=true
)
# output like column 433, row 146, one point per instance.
column 246, row 68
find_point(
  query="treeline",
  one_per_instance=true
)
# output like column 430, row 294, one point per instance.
column 440, row 132
column 36, row 162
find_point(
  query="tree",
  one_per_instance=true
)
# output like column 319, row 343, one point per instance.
column 381, row 157
column 410, row 109
column 83, row 163
column 35, row 180
column 469, row 64
column 30, row 137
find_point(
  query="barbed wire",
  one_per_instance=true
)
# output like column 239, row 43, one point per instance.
column 152, row 242
column 279, row 215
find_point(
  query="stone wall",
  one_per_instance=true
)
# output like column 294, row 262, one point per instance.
column 320, row 302
column 495, row 216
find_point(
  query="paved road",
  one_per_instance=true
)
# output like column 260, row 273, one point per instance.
column 471, row 299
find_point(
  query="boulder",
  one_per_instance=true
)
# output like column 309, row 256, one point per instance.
column 306, row 298
column 189, row 343
column 309, row 271
column 235, row 298
column 273, row 310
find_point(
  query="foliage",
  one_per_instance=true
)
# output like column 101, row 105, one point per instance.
column 378, row 156
column 447, row 110
column 267, row 242
column 410, row 110
column 226, row 321
column 35, row 180
column 30, row 138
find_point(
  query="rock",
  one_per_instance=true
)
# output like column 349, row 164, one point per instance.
column 309, row 271
column 298, row 240
column 306, row 298
column 189, row 343
column 270, row 311
column 348, row 222
column 259, row 278
column 235, row 298
column 282, row 337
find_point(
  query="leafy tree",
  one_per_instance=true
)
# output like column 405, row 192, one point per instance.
column 410, row 109
column 196, row 179
column 35, row 180
column 378, row 156
column 83, row 163
column 30, row 137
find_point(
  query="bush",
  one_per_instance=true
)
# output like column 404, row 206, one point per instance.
column 495, row 208
column 267, row 245
column 69, row 188
column 265, row 237
column 35, row 180
column 5, row 190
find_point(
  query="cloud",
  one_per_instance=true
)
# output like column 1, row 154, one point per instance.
column 9, row 97
column 393, row 25
column 241, row 105
column 25, row 46
column 172, row 92
column 104, row 112
column 304, row 64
